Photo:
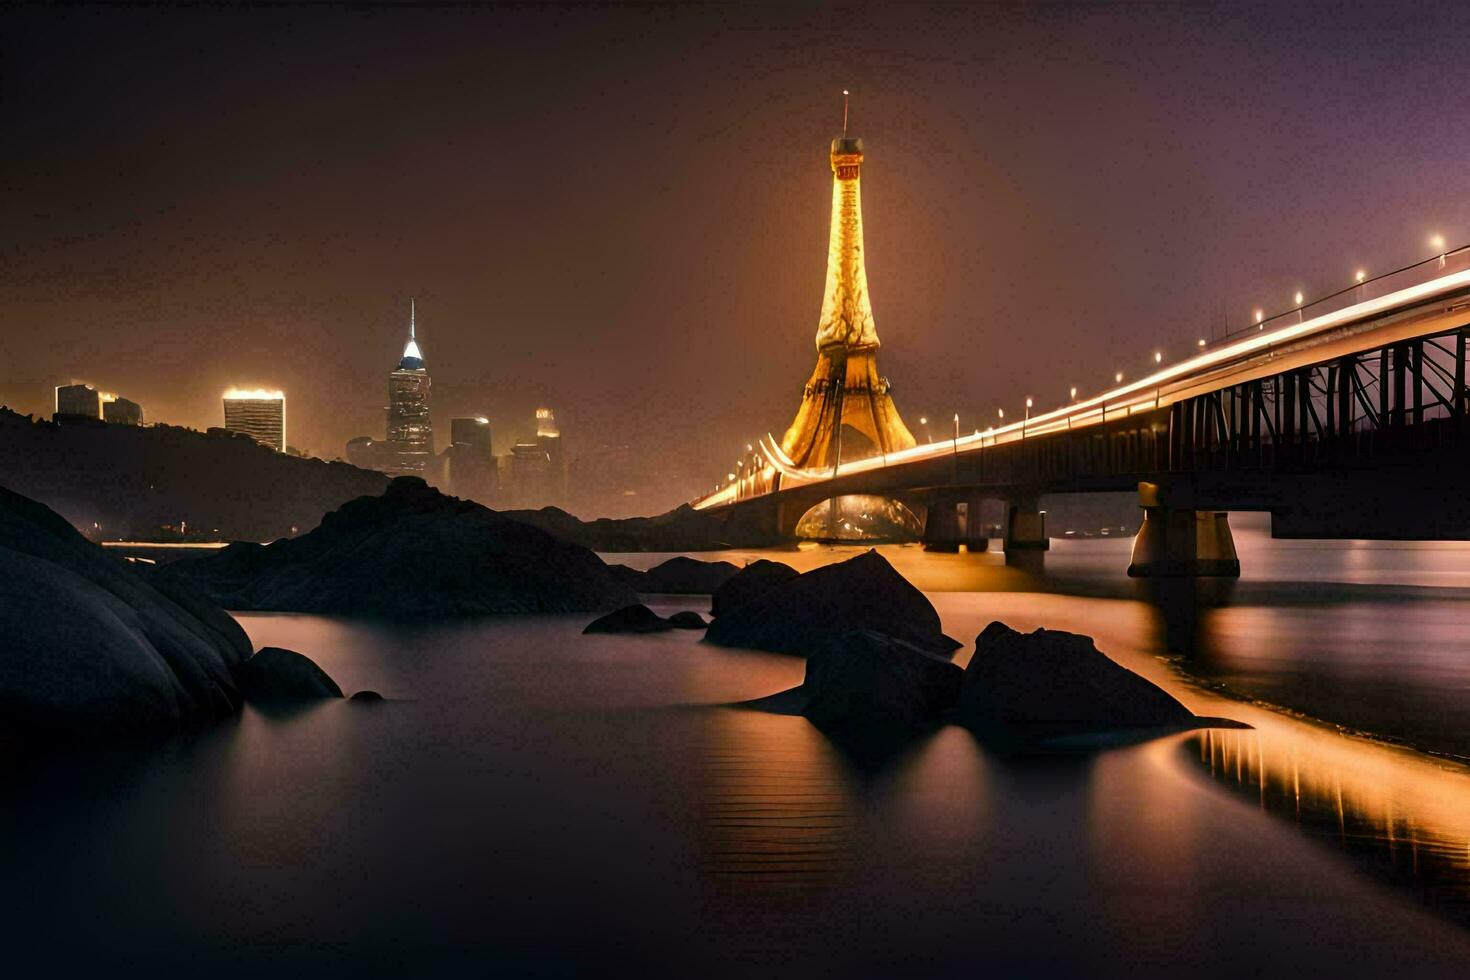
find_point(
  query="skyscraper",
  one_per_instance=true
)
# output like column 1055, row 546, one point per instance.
column 410, row 429
column 846, row 411
column 470, row 469
column 259, row 414
column 77, row 401
column 122, row 411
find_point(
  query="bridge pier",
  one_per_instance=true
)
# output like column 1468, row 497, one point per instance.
column 1181, row 542
column 946, row 526
column 1025, row 531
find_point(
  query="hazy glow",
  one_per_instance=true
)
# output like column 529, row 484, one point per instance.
column 1298, row 297
column 254, row 395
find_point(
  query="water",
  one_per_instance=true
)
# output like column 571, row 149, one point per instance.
column 537, row 801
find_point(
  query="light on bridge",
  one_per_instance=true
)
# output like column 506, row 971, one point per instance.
column 1158, row 357
column 1028, row 403
column 923, row 420
column 1297, row 297
column 1360, row 275
column 1202, row 341
column 1118, row 378
column 730, row 477
column 1000, row 412
column 1074, row 393
column 1436, row 242
column 1260, row 315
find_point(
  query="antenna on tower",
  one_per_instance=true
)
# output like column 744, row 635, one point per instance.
column 844, row 113
column 411, row 319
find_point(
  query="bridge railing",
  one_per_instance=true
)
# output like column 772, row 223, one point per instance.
column 1388, row 283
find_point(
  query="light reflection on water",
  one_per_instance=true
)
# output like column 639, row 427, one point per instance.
column 535, row 796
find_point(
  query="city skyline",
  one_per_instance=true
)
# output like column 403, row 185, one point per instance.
column 1104, row 182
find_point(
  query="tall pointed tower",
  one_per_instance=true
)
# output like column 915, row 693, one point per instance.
column 410, row 429
column 846, row 411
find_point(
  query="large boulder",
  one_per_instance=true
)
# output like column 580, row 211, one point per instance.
column 636, row 618
column 1050, row 682
column 689, row 576
column 410, row 553
column 758, row 577
column 801, row 615
column 687, row 619
column 864, row 679
column 87, row 642
column 275, row 676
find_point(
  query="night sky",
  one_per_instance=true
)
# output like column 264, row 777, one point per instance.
column 622, row 212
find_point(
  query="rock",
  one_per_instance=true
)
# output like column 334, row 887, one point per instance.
column 630, row 619
column 275, row 675
column 366, row 696
column 411, row 553
column 752, row 580
column 687, row 619
column 631, row 577
column 681, row 529
column 867, row 679
column 800, row 615
column 87, row 642
column 689, row 576
column 1052, row 682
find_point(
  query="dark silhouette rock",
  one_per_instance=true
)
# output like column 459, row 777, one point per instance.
column 631, row 577
column 1053, row 683
column 687, row 619
column 629, row 619
column 411, row 553
column 86, row 641
column 758, row 577
column 275, row 675
column 863, row 593
column 867, row 679
column 689, row 576
column 366, row 696
column 681, row 529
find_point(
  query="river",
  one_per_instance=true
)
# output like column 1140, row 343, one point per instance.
column 532, row 800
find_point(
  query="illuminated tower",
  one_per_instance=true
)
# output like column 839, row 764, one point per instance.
column 846, row 412
column 410, row 430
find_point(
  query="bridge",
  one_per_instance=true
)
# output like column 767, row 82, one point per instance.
column 1346, row 416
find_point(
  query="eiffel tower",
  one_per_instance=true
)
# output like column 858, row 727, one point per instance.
column 846, row 410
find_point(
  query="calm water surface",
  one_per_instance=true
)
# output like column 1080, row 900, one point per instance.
column 539, row 801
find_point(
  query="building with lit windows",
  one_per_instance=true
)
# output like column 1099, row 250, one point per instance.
column 259, row 414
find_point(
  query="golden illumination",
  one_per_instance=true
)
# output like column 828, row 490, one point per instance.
column 1436, row 242
column 1074, row 391
column 254, row 394
column 1360, row 275
column 845, row 391
column 1297, row 297
column 1118, row 378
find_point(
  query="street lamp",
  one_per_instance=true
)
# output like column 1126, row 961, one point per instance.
column 924, row 421
column 1436, row 242
column 1158, row 357
column 1118, row 378
column 1360, row 275
column 1026, row 419
column 1202, row 342
column 1074, row 393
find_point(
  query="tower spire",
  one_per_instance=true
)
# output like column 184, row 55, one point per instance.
column 411, row 318
column 844, row 113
